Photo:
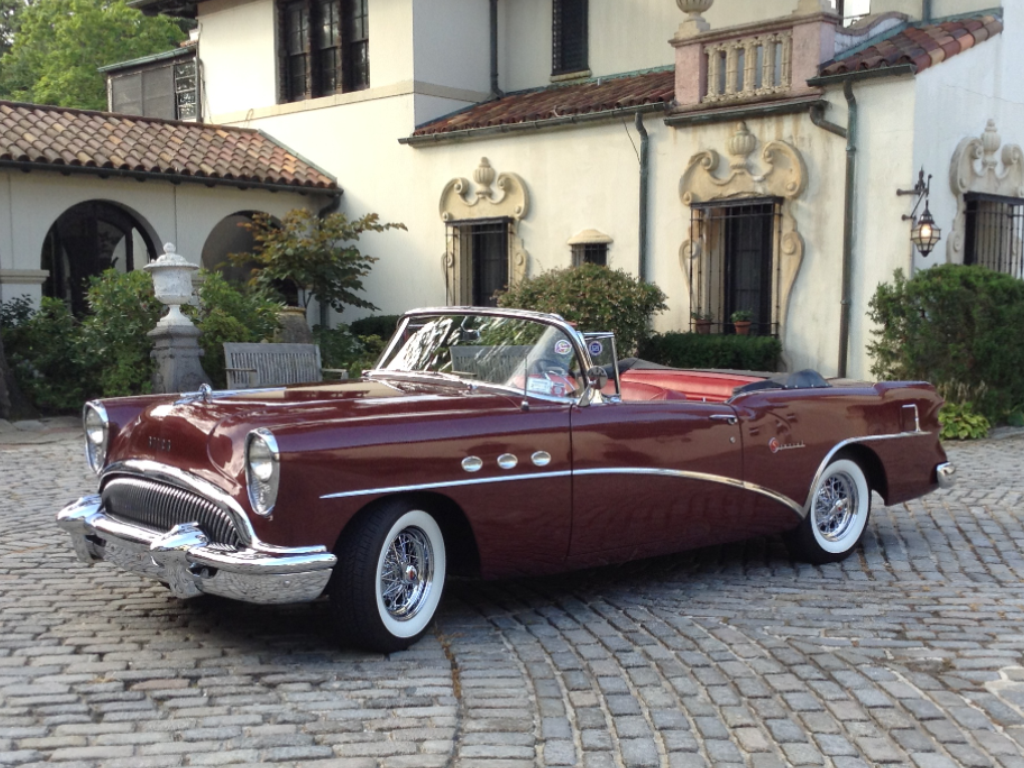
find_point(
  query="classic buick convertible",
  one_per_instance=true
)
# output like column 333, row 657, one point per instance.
column 489, row 442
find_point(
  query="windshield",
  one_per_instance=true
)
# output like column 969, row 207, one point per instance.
column 506, row 351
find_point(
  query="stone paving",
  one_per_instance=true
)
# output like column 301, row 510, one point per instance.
column 910, row 653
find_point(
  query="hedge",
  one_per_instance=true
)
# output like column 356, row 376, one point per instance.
column 697, row 350
column 375, row 325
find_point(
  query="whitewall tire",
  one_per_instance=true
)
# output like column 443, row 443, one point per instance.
column 840, row 504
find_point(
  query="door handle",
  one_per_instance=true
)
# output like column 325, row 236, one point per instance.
column 727, row 418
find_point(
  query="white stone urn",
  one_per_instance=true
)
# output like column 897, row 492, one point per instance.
column 694, row 23
column 172, row 284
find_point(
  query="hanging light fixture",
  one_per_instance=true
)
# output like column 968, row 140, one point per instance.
column 923, row 233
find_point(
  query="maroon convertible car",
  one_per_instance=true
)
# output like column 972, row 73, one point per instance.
column 489, row 442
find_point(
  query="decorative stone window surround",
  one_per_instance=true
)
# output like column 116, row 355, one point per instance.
column 976, row 168
column 460, row 204
column 785, row 177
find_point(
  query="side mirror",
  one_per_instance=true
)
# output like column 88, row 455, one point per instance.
column 597, row 377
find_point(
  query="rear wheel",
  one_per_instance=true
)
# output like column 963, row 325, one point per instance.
column 388, row 581
column 835, row 523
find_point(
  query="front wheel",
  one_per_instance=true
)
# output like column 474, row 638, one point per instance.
column 838, row 515
column 388, row 581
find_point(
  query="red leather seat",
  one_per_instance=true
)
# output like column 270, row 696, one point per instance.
column 712, row 387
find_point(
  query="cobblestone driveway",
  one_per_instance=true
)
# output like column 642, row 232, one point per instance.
column 910, row 653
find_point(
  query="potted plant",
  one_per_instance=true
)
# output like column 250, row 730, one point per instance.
column 741, row 320
column 701, row 322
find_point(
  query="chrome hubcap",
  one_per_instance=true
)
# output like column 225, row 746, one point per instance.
column 407, row 573
column 835, row 506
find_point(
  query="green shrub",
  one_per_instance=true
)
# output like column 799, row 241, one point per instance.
column 231, row 313
column 958, row 327
column 960, row 422
column 596, row 298
column 44, row 352
column 697, row 350
column 340, row 348
column 375, row 325
column 122, row 309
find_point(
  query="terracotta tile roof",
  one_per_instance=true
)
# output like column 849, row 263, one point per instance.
column 560, row 101
column 922, row 46
column 34, row 136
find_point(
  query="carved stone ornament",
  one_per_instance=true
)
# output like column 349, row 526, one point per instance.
column 783, row 174
column 976, row 168
column 460, row 204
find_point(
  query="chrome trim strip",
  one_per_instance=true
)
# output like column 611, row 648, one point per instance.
column 449, row 484
column 674, row 473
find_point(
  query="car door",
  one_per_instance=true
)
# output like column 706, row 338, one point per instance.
column 654, row 477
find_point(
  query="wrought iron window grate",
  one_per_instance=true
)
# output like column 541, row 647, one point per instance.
column 734, row 264
column 994, row 233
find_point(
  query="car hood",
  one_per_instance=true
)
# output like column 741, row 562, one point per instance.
column 206, row 436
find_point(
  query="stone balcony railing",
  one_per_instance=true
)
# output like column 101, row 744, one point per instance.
column 764, row 61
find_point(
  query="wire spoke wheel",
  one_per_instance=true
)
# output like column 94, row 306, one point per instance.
column 838, row 509
column 407, row 574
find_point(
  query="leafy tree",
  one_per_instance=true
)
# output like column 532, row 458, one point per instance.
column 314, row 254
column 60, row 44
column 10, row 10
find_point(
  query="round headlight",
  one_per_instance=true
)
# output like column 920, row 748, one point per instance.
column 262, row 470
column 97, row 435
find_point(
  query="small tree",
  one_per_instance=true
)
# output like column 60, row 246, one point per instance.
column 315, row 254
column 596, row 298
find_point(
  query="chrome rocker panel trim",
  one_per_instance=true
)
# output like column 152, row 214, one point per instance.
column 184, row 560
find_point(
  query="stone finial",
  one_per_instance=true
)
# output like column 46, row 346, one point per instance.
column 990, row 143
column 695, row 23
column 484, row 176
column 741, row 145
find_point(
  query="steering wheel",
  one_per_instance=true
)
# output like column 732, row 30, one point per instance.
column 545, row 365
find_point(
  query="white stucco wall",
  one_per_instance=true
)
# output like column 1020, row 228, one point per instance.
column 182, row 214
column 451, row 44
column 955, row 101
column 237, row 55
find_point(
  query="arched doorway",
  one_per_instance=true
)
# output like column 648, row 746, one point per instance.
column 230, row 236
column 87, row 239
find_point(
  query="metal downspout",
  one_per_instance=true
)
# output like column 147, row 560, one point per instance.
column 926, row 11
column 644, row 176
column 848, row 213
column 327, row 210
column 496, row 92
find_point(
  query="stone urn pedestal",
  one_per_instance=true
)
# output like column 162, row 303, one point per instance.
column 175, row 339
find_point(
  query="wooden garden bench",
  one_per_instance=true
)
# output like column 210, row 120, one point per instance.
column 273, row 365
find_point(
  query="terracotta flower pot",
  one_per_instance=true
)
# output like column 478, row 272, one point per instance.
column 702, row 326
column 742, row 327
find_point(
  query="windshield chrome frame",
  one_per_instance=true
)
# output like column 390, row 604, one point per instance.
column 574, row 336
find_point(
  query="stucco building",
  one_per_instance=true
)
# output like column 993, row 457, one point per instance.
column 742, row 155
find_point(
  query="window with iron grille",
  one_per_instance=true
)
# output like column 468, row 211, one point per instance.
column 590, row 253
column 733, row 262
column 323, row 48
column 569, row 36
column 994, row 232
column 480, row 251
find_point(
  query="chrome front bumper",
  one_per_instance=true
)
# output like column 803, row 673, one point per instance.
column 945, row 473
column 190, row 565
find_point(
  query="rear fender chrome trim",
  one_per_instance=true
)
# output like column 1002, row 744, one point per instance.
column 945, row 475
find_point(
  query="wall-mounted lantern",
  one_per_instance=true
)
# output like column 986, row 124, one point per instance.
column 923, row 233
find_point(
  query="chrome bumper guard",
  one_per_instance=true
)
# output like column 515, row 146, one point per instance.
column 185, row 560
column 945, row 473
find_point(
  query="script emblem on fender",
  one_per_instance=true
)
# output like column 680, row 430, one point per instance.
column 775, row 446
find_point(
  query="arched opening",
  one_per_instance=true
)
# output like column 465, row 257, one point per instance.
column 229, row 236
column 87, row 239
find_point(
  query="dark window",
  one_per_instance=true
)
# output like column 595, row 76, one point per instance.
column 590, row 253
column 167, row 90
column 477, row 266
column 733, row 266
column 324, row 48
column 569, row 36
column 994, row 232
column 489, row 262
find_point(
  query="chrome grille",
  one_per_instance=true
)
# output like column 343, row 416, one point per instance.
column 160, row 507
